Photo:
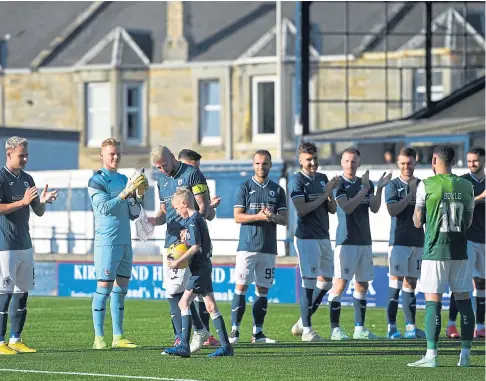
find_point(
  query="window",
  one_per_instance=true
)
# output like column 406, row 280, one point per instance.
column 263, row 107
column 133, row 113
column 98, row 112
column 209, row 112
column 437, row 90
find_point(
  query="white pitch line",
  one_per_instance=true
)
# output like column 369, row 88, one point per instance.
column 96, row 375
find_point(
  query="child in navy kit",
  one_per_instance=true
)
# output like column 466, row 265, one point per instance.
column 196, row 235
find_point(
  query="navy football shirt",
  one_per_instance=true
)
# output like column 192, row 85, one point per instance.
column 260, row 237
column 403, row 231
column 354, row 228
column 314, row 225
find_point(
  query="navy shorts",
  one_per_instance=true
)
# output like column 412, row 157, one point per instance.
column 200, row 281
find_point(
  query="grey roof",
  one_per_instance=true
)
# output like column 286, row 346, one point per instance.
column 143, row 38
column 104, row 57
column 401, row 129
column 410, row 21
column 143, row 15
column 118, row 48
column 32, row 25
column 216, row 31
column 128, row 55
column 468, row 101
column 470, row 106
column 37, row 132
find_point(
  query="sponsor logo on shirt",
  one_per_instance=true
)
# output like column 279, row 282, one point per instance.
column 260, row 205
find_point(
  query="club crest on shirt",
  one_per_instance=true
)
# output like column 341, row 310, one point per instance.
column 7, row 281
column 179, row 182
column 272, row 193
column 26, row 184
column 323, row 185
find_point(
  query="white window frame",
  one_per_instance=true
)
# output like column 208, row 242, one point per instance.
column 437, row 91
column 204, row 106
column 91, row 109
column 139, row 108
column 255, row 81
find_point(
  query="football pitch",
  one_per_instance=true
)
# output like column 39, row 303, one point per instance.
column 61, row 330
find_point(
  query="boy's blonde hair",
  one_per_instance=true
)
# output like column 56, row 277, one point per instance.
column 184, row 194
column 110, row 142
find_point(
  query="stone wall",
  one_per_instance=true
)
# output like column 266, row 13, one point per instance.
column 56, row 100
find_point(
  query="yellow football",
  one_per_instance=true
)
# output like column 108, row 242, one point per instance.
column 175, row 251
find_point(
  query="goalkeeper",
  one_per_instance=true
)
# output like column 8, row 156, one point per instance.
column 116, row 200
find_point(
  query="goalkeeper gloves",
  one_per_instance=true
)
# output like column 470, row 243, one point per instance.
column 140, row 192
column 136, row 180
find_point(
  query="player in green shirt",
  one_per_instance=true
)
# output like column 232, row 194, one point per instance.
column 446, row 203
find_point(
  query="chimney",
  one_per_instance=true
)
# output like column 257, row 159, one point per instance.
column 176, row 47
